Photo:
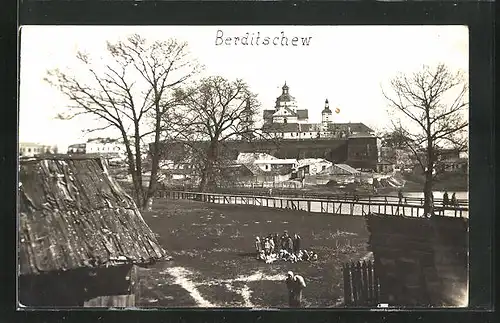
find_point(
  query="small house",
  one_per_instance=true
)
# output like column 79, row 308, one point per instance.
column 80, row 235
column 455, row 165
column 385, row 166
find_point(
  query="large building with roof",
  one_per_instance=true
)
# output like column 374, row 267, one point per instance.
column 344, row 143
column 287, row 121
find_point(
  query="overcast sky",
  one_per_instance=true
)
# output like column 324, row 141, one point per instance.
column 348, row 65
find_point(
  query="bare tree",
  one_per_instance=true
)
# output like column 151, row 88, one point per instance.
column 129, row 90
column 432, row 106
column 215, row 111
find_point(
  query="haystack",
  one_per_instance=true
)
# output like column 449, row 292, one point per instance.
column 79, row 232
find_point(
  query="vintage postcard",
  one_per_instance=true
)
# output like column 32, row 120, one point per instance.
column 243, row 166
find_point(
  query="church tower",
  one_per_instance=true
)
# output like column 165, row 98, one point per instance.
column 247, row 124
column 247, row 115
column 326, row 116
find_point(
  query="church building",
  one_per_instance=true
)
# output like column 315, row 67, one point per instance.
column 287, row 121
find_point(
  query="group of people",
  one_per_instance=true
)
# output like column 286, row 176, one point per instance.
column 273, row 247
column 449, row 202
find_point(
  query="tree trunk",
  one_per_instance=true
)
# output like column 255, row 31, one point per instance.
column 155, row 161
column 138, row 167
column 132, row 170
column 428, row 197
column 207, row 182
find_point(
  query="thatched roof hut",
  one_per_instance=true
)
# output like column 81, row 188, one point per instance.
column 73, row 217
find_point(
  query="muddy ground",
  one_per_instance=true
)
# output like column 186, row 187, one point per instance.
column 213, row 262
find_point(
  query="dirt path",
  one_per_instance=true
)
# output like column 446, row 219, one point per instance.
column 181, row 278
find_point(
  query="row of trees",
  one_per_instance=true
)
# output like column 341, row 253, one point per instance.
column 151, row 92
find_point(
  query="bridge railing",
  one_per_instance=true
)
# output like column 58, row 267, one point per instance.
column 329, row 206
column 354, row 197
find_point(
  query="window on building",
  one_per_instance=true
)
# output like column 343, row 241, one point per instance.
column 267, row 167
column 285, row 120
column 29, row 150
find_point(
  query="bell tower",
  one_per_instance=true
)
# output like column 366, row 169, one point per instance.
column 326, row 115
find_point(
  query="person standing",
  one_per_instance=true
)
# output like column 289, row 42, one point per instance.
column 296, row 244
column 454, row 201
column 276, row 240
column 271, row 245
column 400, row 197
column 295, row 285
column 289, row 245
column 267, row 246
column 258, row 246
column 446, row 200
column 284, row 239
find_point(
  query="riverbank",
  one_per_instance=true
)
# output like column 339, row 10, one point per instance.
column 447, row 182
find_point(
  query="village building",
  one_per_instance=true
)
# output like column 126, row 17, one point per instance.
column 103, row 146
column 339, row 173
column 457, row 165
column 80, row 235
column 77, row 148
column 251, row 169
column 385, row 166
column 311, row 166
column 30, row 149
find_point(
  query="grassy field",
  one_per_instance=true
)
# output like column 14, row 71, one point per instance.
column 213, row 263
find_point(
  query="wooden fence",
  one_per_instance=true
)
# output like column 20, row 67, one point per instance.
column 361, row 284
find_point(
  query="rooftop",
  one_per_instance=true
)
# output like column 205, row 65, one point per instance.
column 276, row 161
column 72, row 214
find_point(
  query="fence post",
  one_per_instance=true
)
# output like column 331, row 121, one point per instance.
column 355, row 290
column 369, row 269
column 365, row 284
column 376, row 289
column 347, row 284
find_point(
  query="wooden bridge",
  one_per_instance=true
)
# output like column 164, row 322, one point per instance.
column 359, row 197
column 328, row 206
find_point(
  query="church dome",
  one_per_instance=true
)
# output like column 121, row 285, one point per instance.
column 285, row 95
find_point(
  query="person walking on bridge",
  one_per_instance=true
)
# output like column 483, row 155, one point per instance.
column 400, row 197
column 454, row 201
column 446, row 199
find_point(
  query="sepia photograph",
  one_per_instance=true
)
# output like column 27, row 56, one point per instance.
column 251, row 167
